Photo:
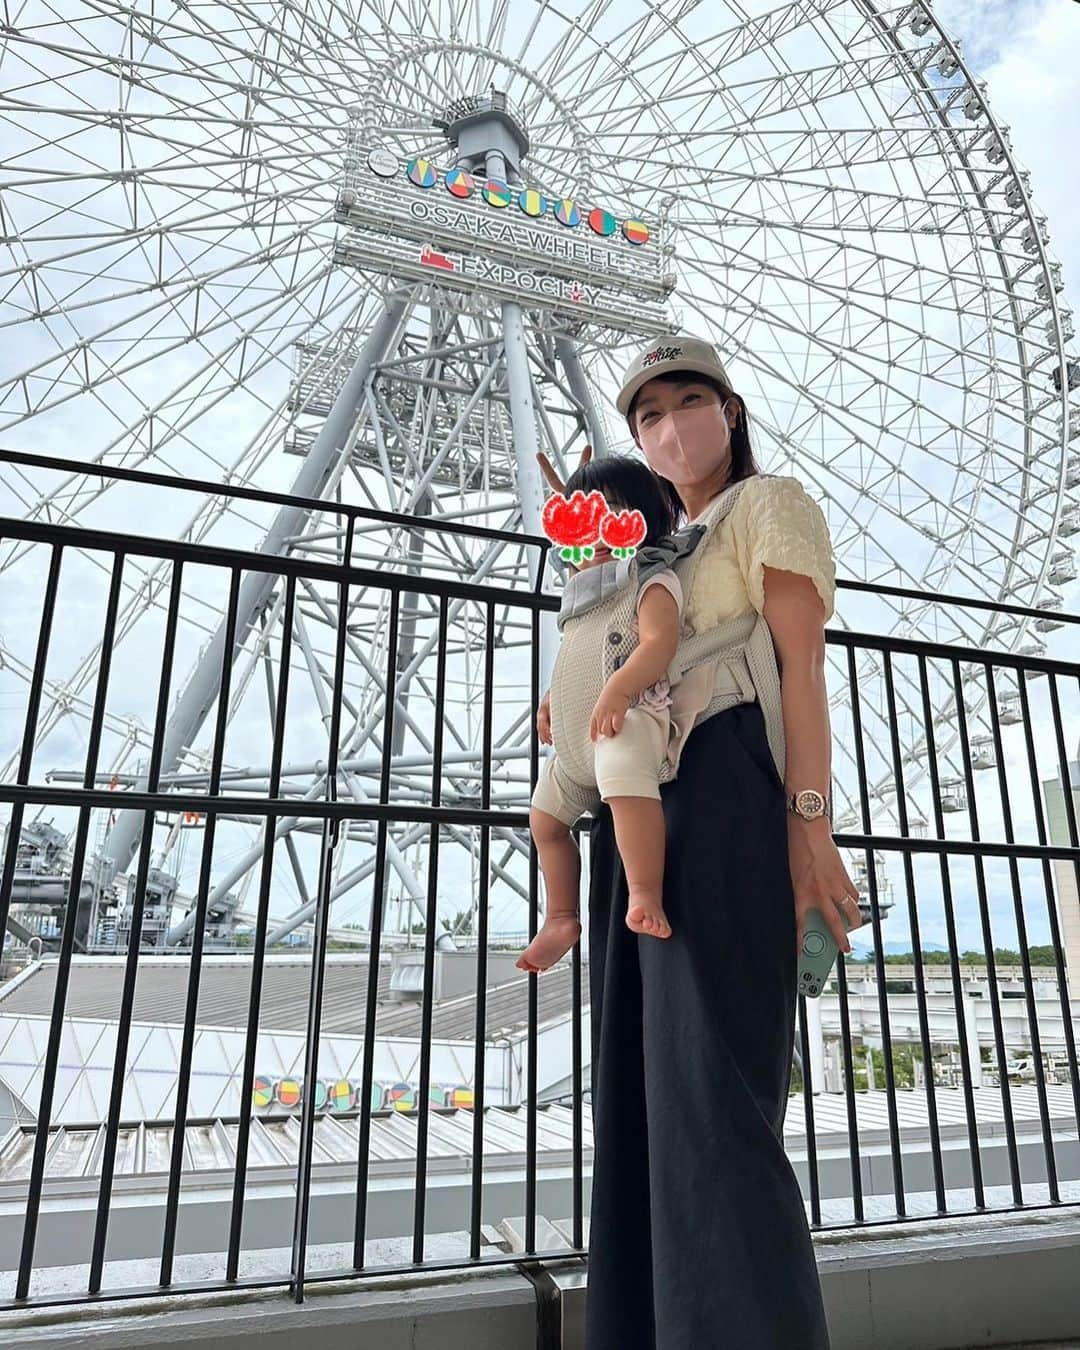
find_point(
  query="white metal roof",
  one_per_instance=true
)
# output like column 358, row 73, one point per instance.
column 143, row 1149
column 95, row 984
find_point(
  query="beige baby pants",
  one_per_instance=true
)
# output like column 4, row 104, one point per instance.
column 626, row 765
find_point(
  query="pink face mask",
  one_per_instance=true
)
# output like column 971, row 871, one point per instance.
column 687, row 444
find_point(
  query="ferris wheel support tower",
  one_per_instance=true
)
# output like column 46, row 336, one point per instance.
column 487, row 136
column 203, row 686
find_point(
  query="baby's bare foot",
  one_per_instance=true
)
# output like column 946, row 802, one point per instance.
column 555, row 938
column 645, row 913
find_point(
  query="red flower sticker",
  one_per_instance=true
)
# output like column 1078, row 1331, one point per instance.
column 574, row 522
column 622, row 532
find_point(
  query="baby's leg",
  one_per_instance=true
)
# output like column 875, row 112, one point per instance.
column 556, row 804
column 627, row 771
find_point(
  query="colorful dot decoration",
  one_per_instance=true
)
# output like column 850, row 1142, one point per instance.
column 288, row 1092
column 421, row 172
column 460, row 183
column 342, row 1095
column 497, row 193
column 635, row 231
column 602, row 222
column 531, row 201
column 566, row 213
column 401, row 1097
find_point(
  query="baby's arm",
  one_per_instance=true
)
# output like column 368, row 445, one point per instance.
column 658, row 637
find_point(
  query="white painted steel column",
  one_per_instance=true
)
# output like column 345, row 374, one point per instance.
column 579, row 387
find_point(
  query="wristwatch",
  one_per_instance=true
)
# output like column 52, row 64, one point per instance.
column 809, row 804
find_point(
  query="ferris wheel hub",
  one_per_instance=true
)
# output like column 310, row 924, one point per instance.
column 483, row 125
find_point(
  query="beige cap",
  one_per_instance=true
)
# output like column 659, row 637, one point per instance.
column 678, row 352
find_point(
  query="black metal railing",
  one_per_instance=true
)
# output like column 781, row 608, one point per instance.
column 325, row 816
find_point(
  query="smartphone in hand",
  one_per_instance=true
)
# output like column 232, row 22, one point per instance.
column 818, row 953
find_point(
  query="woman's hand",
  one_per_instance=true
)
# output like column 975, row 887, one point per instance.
column 543, row 719
column 820, row 880
column 547, row 469
column 607, row 716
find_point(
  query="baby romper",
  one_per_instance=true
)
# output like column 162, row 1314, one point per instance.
column 579, row 775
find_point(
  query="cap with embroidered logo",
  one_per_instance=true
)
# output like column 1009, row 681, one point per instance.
column 678, row 352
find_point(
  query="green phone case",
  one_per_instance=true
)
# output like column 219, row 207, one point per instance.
column 818, row 953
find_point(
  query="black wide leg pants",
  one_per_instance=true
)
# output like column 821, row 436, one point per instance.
column 698, row 1238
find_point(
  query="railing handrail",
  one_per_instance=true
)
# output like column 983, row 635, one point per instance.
column 208, row 488
column 934, row 987
column 411, row 522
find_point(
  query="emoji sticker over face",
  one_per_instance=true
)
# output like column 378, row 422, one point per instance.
column 623, row 531
column 578, row 522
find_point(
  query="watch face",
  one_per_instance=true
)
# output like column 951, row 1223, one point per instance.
column 809, row 802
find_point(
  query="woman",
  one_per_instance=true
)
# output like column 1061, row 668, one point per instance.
column 698, row 1235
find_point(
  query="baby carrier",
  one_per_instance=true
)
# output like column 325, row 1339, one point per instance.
column 733, row 662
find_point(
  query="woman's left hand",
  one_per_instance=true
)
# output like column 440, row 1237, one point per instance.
column 820, row 880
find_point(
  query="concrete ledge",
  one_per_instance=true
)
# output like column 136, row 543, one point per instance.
column 495, row 1308
column 999, row 1280
column 951, row 1284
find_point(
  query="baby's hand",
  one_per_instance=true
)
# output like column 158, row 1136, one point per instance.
column 543, row 719
column 607, row 716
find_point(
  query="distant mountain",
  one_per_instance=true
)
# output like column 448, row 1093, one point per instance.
column 900, row 948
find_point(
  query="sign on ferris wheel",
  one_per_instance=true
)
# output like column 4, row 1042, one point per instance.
column 419, row 221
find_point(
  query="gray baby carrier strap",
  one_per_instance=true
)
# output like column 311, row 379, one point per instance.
column 741, row 648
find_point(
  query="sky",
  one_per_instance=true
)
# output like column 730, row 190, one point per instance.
column 1026, row 50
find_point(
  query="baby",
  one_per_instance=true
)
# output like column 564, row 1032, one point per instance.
column 614, row 750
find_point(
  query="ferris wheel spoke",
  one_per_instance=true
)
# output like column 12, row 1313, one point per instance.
column 840, row 355
column 900, row 513
column 68, row 508
column 579, row 29
column 787, row 90
column 282, row 75
column 215, row 362
column 740, row 40
column 857, row 295
column 196, row 331
column 288, row 251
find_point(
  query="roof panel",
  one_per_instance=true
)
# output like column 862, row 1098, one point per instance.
column 225, row 990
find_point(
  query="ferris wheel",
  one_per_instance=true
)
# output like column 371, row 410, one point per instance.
column 380, row 253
